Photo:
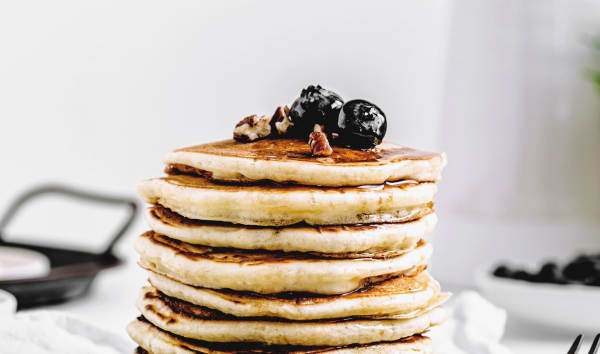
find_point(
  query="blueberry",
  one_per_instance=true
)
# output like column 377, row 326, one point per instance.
column 582, row 269
column 315, row 105
column 361, row 125
column 549, row 273
column 502, row 272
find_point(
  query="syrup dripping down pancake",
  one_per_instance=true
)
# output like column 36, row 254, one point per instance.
column 290, row 161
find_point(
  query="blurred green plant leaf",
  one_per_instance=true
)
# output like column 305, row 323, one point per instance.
column 596, row 73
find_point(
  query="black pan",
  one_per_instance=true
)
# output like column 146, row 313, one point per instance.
column 71, row 271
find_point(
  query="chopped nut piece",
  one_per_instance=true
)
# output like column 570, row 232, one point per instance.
column 281, row 121
column 252, row 128
column 318, row 128
column 319, row 145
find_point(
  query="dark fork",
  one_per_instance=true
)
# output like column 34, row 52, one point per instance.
column 575, row 346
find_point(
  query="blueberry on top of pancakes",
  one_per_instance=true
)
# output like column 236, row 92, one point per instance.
column 315, row 105
column 361, row 125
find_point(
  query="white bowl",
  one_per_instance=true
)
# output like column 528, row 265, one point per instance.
column 565, row 306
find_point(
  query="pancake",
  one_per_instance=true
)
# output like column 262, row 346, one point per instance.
column 191, row 321
column 290, row 160
column 280, row 205
column 402, row 297
column 337, row 239
column 270, row 272
column 157, row 341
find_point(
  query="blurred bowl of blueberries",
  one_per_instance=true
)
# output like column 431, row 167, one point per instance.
column 557, row 294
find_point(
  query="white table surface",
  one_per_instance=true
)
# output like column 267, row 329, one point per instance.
column 111, row 305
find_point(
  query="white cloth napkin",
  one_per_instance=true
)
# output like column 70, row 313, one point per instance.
column 475, row 326
column 52, row 332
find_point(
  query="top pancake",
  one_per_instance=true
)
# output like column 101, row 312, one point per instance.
column 290, row 161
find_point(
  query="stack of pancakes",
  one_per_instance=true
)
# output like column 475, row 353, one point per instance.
column 259, row 247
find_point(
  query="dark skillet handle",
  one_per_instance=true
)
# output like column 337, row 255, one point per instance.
column 78, row 194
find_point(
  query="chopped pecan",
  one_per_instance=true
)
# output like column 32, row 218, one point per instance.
column 252, row 128
column 319, row 145
column 281, row 120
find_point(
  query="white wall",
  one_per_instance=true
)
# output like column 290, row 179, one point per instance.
column 95, row 93
column 521, row 128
